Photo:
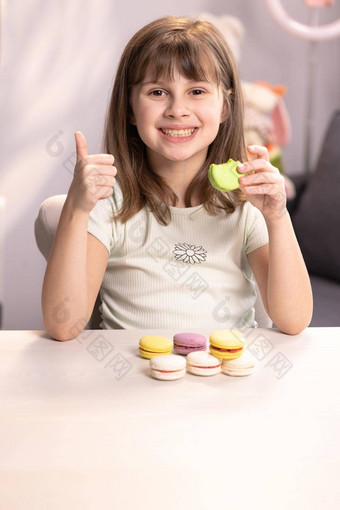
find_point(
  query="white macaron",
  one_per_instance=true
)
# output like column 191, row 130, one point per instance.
column 244, row 365
column 168, row 368
column 203, row 363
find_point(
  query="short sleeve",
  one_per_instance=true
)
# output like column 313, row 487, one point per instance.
column 102, row 224
column 256, row 233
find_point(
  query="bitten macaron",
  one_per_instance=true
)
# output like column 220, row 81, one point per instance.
column 203, row 363
column 227, row 343
column 184, row 343
column 155, row 345
column 225, row 177
column 168, row 368
column 244, row 365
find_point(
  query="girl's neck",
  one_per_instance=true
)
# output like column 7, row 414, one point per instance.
column 178, row 176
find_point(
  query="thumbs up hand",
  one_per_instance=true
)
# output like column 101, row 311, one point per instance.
column 93, row 176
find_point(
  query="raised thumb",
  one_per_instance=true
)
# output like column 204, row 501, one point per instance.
column 81, row 145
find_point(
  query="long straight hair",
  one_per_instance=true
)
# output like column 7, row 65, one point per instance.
column 199, row 52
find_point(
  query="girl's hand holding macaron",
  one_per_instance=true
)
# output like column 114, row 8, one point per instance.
column 264, row 185
column 94, row 177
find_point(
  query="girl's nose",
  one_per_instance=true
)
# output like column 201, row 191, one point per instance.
column 177, row 107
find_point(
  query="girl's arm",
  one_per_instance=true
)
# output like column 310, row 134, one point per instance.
column 278, row 267
column 78, row 260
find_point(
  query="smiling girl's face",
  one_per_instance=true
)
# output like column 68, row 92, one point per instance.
column 178, row 118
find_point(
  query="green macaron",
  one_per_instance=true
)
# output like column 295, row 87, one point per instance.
column 225, row 177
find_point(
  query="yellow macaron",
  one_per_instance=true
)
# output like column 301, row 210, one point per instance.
column 155, row 345
column 227, row 343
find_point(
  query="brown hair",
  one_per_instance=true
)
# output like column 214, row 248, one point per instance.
column 199, row 51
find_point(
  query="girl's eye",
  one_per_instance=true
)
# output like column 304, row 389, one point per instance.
column 197, row 92
column 157, row 93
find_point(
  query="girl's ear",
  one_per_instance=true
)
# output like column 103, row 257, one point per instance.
column 225, row 109
column 132, row 118
column 224, row 113
column 131, row 115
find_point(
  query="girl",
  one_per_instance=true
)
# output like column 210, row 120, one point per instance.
column 164, row 247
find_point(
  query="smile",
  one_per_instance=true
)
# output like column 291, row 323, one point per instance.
column 178, row 132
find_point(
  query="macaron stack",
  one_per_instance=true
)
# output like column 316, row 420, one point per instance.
column 203, row 363
column 155, row 345
column 184, row 343
column 244, row 365
column 227, row 343
column 168, row 368
column 225, row 176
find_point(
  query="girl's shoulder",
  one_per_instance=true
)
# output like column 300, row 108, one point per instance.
column 248, row 211
column 249, row 218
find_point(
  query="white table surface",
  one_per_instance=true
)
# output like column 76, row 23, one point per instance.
column 84, row 426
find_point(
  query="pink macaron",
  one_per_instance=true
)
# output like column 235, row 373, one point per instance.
column 184, row 343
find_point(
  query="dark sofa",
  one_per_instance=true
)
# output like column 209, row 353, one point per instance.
column 315, row 214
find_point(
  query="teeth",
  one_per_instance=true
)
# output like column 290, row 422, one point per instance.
column 178, row 132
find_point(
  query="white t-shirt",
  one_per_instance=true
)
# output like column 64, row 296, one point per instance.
column 192, row 273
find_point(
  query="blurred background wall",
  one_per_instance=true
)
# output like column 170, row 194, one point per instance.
column 58, row 61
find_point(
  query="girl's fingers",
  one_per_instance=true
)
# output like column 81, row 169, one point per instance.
column 258, row 152
column 264, row 189
column 99, row 159
column 101, row 170
column 104, row 180
column 257, row 165
column 261, row 177
column 104, row 193
column 99, row 180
